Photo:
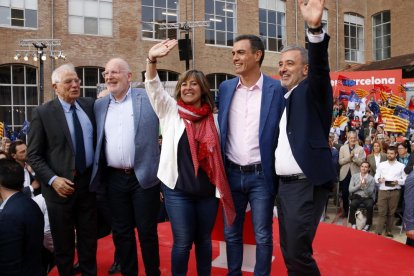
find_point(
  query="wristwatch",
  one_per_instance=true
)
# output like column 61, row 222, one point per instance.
column 317, row 30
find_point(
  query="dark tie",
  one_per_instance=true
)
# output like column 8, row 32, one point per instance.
column 80, row 162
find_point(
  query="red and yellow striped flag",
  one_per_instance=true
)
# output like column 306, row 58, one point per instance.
column 1, row 129
column 402, row 91
column 395, row 100
column 340, row 121
column 384, row 96
column 394, row 123
column 385, row 110
column 361, row 93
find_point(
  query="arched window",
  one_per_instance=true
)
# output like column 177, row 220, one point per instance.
column 90, row 77
column 164, row 75
column 18, row 94
column 354, row 37
column 214, row 80
column 381, row 33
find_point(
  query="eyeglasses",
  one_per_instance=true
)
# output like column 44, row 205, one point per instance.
column 112, row 72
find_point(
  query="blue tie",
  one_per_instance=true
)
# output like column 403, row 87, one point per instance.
column 80, row 160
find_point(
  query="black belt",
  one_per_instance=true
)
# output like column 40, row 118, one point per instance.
column 292, row 177
column 124, row 170
column 246, row 168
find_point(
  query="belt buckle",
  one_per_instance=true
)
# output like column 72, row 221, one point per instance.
column 128, row 171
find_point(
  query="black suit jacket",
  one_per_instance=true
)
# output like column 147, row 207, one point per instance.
column 50, row 148
column 309, row 113
column 21, row 237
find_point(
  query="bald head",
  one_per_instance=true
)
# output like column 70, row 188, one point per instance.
column 117, row 77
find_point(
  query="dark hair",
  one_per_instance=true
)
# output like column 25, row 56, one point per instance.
column 13, row 146
column 393, row 148
column 256, row 44
column 201, row 81
column 366, row 162
column 11, row 175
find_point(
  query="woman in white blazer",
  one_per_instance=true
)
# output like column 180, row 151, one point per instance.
column 191, row 167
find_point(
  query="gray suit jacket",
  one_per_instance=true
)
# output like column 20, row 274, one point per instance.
column 147, row 149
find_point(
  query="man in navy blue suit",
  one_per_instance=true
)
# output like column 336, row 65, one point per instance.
column 249, row 110
column 21, row 225
column 303, row 156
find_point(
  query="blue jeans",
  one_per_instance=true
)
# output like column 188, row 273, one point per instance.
column 250, row 188
column 192, row 220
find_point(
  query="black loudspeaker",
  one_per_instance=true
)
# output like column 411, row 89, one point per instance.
column 184, row 49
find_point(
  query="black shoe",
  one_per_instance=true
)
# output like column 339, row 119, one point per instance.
column 389, row 234
column 115, row 268
column 76, row 269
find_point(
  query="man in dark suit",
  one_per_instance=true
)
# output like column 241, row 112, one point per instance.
column 125, row 167
column 303, row 157
column 61, row 149
column 21, row 225
column 249, row 110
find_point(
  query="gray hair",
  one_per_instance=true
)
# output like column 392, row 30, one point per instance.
column 58, row 72
column 303, row 52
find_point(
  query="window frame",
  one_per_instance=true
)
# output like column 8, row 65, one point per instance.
column 279, row 10
column 354, row 23
column 172, row 33
column 82, row 77
column 100, row 19
column 14, row 107
column 216, row 19
column 375, row 38
column 23, row 8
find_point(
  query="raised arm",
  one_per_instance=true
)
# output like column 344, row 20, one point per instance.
column 157, row 51
column 312, row 11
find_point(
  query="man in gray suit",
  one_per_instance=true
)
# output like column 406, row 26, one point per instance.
column 125, row 167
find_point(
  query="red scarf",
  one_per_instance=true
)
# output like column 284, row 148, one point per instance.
column 205, row 151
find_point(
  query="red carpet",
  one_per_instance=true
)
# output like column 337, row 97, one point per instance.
column 338, row 251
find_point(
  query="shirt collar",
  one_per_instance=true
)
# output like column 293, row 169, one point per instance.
column 123, row 99
column 66, row 106
column 257, row 85
column 290, row 92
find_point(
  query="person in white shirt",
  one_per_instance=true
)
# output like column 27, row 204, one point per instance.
column 390, row 175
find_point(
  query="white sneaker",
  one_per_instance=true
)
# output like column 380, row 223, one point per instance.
column 366, row 228
column 354, row 226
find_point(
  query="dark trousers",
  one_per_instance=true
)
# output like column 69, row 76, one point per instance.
column 365, row 202
column 410, row 242
column 250, row 187
column 344, row 185
column 77, row 213
column 132, row 206
column 300, row 206
column 192, row 220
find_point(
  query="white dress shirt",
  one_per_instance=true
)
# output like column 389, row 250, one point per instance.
column 120, row 133
column 390, row 172
column 285, row 162
column 242, row 145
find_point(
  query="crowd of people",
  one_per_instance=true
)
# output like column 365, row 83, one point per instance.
column 95, row 167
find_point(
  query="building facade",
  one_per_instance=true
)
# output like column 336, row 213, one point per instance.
column 93, row 31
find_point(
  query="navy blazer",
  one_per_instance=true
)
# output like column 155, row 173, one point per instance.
column 21, row 237
column 147, row 149
column 270, row 112
column 309, row 113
